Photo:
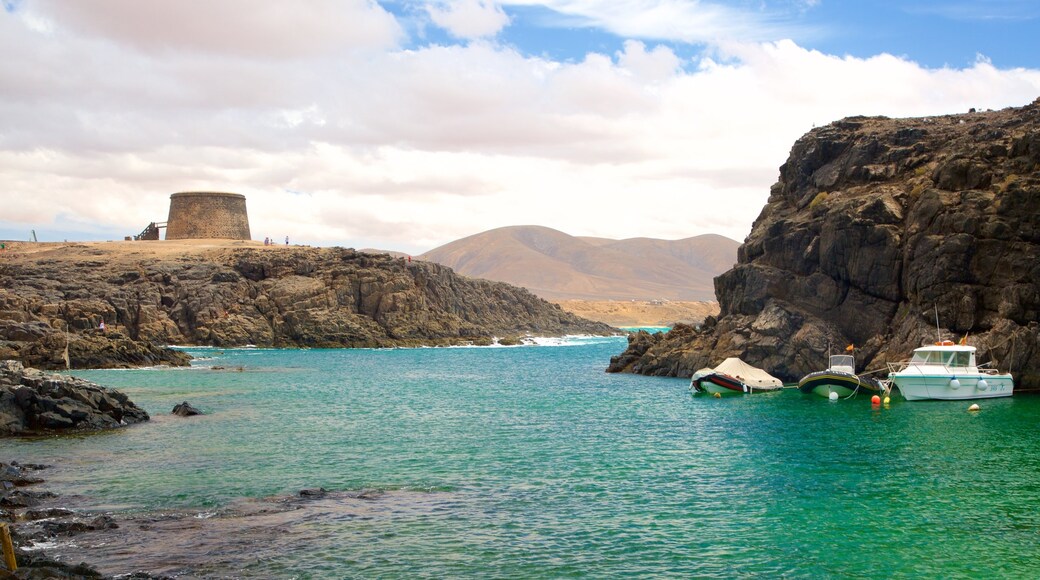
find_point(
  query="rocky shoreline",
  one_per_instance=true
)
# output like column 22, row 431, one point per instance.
column 876, row 229
column 117, row 304
column 36, row 403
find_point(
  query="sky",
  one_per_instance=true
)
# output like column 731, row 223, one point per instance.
column 406, row 124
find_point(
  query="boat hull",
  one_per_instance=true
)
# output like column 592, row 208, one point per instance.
column 918, row 387
column 719, row 383
column 823, row 383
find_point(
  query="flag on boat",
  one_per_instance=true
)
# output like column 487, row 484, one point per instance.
column 964, row 340
column 850, row 348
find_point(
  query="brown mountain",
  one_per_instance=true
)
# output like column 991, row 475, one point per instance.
column 558, row 266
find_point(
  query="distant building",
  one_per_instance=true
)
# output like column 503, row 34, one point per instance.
column 207, row 214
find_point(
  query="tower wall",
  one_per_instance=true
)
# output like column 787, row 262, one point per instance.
column 207, row 214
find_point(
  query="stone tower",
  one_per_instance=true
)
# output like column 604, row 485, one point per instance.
column 207, row 214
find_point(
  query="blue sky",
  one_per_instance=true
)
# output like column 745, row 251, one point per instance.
column 407, row 124
column 934, row 34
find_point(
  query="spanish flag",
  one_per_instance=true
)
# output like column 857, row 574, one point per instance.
column 964, row 340
column 850, row 348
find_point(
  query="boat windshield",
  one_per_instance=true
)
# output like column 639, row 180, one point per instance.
column 945, row 358
column 843, row 362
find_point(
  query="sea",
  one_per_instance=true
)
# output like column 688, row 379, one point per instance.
column 532, row 462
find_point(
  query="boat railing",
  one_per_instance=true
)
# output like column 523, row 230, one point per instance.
column 898, row 366
column 981, row 369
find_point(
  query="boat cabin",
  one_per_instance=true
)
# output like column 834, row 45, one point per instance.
column 946, row 356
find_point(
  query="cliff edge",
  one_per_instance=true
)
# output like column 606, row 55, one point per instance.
column 151, row 294
column 874, row 225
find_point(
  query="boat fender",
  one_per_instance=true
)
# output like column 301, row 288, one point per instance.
column 954, row 383
column 982, row 385
column 833, row 396
column 717, row 395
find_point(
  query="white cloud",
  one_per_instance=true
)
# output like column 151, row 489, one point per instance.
column 468, row 18
column 658, row 64
column 409, row 149
column 234, row 27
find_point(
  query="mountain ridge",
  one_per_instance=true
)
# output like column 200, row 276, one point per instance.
column 558, row 266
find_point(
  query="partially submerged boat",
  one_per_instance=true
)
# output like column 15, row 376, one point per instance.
column 841, row 378
column 734, row 376
column 947, row 371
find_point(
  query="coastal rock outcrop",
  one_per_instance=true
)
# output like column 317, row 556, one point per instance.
column 185, row 410
column 275, row 297
column 34, row 402
column 876, row 228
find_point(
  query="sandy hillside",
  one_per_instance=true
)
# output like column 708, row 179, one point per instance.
column 640, row 313
column 558, row 266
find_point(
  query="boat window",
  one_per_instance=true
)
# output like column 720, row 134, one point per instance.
column 959, row 359
column 927, row 357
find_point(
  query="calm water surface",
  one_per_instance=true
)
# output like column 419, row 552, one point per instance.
column 531, row 462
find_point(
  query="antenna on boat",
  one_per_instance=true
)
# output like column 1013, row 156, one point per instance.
column 938, row 333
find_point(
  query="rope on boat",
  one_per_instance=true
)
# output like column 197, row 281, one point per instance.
column 871, row 372
column 854, row 391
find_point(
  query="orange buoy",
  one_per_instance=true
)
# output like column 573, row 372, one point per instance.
column 875, row 400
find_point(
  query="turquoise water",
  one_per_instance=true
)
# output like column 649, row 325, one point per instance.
column 650, row 329
column 531, row 462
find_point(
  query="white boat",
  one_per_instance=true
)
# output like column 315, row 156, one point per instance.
column 947, row 371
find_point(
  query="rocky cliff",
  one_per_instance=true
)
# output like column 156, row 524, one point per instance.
column 874, row 225
column 151, row 294
column 32, row 403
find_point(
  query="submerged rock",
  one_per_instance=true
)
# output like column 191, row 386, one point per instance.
column 874, row 225
column 185, row 410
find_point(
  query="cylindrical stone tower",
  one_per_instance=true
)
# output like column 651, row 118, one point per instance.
column 207, row 214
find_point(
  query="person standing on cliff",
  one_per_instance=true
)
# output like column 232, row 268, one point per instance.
column 286, row 240
column 101, row 326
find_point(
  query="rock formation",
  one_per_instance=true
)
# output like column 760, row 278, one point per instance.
column 185, row 410
column 234, row 296
column 874, row 225
column 32, row 402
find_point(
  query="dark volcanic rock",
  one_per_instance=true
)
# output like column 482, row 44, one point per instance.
column 34, row 402
column 873, row 225
column 281, row 297
column 185, row 410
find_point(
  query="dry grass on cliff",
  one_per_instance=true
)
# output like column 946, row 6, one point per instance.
column 123, row 250
column 640, row 312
